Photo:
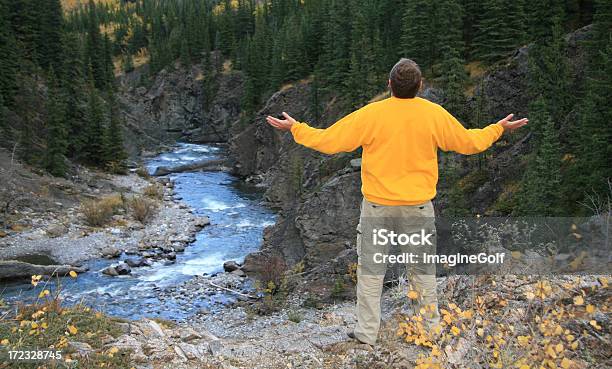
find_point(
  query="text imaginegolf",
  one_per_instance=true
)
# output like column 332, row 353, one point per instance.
column 450, row 260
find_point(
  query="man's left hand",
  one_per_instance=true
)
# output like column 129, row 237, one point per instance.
column 281, row 124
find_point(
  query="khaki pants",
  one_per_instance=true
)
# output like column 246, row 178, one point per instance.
column 400, row 219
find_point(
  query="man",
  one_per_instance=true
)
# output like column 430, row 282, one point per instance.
column 400, row 137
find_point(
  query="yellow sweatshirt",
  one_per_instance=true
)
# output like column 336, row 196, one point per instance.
column 400, row 139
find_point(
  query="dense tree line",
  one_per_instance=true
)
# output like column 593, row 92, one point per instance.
column 46, row 70
column 346, row 48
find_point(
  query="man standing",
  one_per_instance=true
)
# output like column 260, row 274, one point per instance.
column 400, row 137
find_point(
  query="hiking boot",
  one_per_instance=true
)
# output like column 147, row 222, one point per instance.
column 352, row 336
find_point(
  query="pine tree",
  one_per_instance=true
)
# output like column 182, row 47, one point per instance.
column 549, row 74
column 109, row 66
column 95, row 132
column 115, row 151
column 499, row 31
column 541, row 189
column 25, row 18
column 8, row 57
column 57, row 133
column 592, row 169
column 94, row 51
column 448, row 31
column 128, row 62
column 542, row 17
column 209, row 81
column 453, row 80
column 336, row 44
column 73, row 85
column 418, row 40
column 6, row 132
column 50, row 46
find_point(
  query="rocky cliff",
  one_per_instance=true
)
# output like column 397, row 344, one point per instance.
column 170, row 107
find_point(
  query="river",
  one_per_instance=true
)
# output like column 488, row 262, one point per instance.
column 237, row 216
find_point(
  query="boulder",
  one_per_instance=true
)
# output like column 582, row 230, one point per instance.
column 56, row 230
column 238, row 272
column 135, row 262
column 123, row 269
column 110, row 271
column 201, row 222
column 81, row 348
column 230, row 266
column 110, row 252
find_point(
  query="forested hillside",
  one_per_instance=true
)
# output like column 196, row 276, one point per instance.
column 345, row 48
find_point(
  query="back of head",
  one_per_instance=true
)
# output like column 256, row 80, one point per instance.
column 405, row 79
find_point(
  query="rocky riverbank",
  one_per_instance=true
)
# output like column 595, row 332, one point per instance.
column 60, row 235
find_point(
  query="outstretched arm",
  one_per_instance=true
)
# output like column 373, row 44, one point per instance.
column 344, row 136
column 452, row 136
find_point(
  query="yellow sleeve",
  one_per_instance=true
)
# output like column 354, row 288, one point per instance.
column 345, row 135
column 451, row 135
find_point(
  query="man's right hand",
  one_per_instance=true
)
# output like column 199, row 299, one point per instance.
column 511, row 125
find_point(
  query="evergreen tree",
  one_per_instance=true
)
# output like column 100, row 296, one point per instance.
column 51, row 48
column 57, row 133
column 541, row 188
column 593, row 133
column 94, row 50
column 6, row 133
column 95, row 132
column 25, row 18
column 115, row 151
column 209, row 81
column 73, row 85
column 500, row 30
column 8, row 57
column 128, row 62
column 542, row 17
column 418, row 40
column 549, row 76
column 453, row 80
column 109, row 66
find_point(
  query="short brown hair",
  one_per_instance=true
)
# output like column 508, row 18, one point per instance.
column 405, row 79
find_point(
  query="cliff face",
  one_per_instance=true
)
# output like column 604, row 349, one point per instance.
column 171, row 107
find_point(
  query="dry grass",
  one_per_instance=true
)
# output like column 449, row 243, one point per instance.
column 98, row 213
column 142, row 172
column 143, row 209
column 154, row 191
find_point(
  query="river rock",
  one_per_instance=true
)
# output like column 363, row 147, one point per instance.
column 82, row 349
column 201, row 222
column 123, row 269
column 110, row 252
column 135, row 262
column 238, row 272
column 189, row 334
column 230, row 266
column 110, row 271
column 56, row 230
column 170, row 256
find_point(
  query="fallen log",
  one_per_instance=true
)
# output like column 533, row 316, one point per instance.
column 205, row 165
column 13, row 269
